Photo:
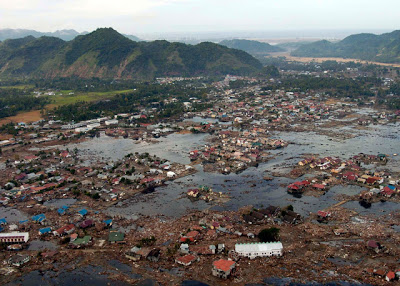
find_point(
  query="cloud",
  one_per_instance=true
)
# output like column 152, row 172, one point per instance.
column 18, row 5
column 90, row 8
column 181, row 15
column 60, row 14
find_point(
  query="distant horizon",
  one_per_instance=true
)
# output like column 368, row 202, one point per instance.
column 311, row 34
column 144, row 17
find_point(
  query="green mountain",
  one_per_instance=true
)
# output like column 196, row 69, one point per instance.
column 380, row 48
column 251, row 47
column 291, row 46
column 66, row 35
column 105, row 53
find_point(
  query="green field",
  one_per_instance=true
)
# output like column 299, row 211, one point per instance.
column 22, row 86
column 63, row 97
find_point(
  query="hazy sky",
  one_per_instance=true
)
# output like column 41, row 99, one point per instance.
column 158, row 16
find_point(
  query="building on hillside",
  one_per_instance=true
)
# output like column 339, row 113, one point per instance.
column 261, row 249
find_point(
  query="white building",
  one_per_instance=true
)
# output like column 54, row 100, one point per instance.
column 14, row 237
column 101, row 119
column 261, row 249
column 72, row 126
column 87, row 128
column 111, row 122
column 5, row 143
column 93, row 125
column 82, row 129
column 171, row 174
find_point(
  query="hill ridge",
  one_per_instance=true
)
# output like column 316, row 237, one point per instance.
column 105, row 53
column 383, row 48
column 251, row 47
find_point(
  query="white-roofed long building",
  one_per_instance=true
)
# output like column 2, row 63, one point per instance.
column 261, row 249
column 14, row 237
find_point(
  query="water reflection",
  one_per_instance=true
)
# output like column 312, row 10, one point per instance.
column 248, row 187
column 89, row 275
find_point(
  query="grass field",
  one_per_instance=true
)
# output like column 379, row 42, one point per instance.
column 65, row 98
column 23, row 86
column 320, row 60
column 62, row 98
column 29, row 116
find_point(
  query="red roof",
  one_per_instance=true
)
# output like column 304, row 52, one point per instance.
column 347, row 174
column 373, row 244
column 319, row 186
column 192, row 233
column 302, row 183
column 37, row 189
column 31, row 157
column 391, row 275
column 197, row 227
column 64, row 154
column 380, row 272
column 185, row 238
column 50, row 185
column 324, row 214
column 387, row 191
column 146, row 180
column 20, row 176
column 187, row 259
column 215, row 224
column 352, row 177
column 224, row 265
column 69, row 227
column 86, row 223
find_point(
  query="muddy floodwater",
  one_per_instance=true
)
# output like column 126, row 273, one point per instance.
column 174, row 147
column 42, row 245
column 248, row 187
column 57, row 203
column 88, row 275
column 12, row 215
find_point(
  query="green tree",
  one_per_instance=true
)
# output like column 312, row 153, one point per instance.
column 269, row 234
column 271, row 71
column 96, row 196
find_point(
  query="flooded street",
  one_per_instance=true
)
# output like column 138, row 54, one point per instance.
column 58, row 203
column 248, row 187
column 12, row 215
column 89, row 275
column 42, row 245
column 175, row 147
